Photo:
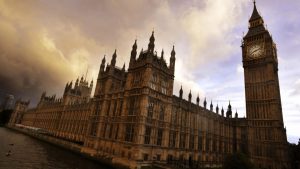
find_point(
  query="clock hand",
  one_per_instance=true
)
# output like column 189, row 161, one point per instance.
column 254, row 51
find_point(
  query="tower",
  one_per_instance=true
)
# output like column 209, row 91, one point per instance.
column 267, row 137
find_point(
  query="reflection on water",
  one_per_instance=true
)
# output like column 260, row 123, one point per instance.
column 29, row 153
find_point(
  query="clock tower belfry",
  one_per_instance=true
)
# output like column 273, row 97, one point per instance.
column 267, row 136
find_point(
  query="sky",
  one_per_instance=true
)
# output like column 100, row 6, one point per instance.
column 45, row 44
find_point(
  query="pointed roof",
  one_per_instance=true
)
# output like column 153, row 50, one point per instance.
column 173, row 51
column 255, row 15
column 151, row 44
column 134, row 46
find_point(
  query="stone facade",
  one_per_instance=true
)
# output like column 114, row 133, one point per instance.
column 134, row 118
column 19, row 109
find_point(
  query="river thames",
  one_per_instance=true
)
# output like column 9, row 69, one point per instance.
column 29, row 153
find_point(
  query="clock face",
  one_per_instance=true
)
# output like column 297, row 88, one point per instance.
column 255, row 50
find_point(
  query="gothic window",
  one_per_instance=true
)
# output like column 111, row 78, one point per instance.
column 161, row 113
column 108, row 109
column 214, row 146
column 150, row 108
column 137, row 79
column 174, row 116
column 115, row 108
column 103, row 130
column 117, row 131
column 183, row 118
column 159, row 136
column 200, row 141
column 147, row 135
column 129, row 132
column 107, row 132
column 131, row 106
column 120, row 107
column 172, row 139
column 164, row 86
column 93, row 130
column 182, row 140
column 153, row 82
column 207, row 148
column 191, row 144
column 110, row 132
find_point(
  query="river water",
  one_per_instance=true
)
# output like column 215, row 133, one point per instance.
column 29, row 153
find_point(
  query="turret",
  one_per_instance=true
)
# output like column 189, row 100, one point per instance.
column 211, row 106
column 204, row 103
column 102, row 64
column 70, row 85
column 180, row 93
column 229, row 112
column 236, row 114
column 217, row 109
column 76, row 83
column 190, row 96
column 222, row 112
column 66, row 88
column 151, row 44
column 133, row 53
column 198, row 100
column 172, row 60
column 113, row 59
column 162, row 54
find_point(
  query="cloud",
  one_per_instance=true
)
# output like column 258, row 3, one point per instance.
column 45, row 44
column 296, row 89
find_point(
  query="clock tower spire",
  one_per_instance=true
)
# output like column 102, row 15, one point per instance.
column 267, row 136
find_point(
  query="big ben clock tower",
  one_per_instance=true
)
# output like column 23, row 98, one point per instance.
column 267, row 143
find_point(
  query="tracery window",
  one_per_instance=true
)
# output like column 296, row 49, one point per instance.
column 161, row 112
column 147, row 135
column 200, row 141
column 132, row 105
column 174, row 116
column 182, row 140
column 159, row 136
column 129, row 134
column 172, row 139
column 191, row 143
column 150, row 108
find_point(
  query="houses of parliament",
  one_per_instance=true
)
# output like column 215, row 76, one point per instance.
column 135, row 120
